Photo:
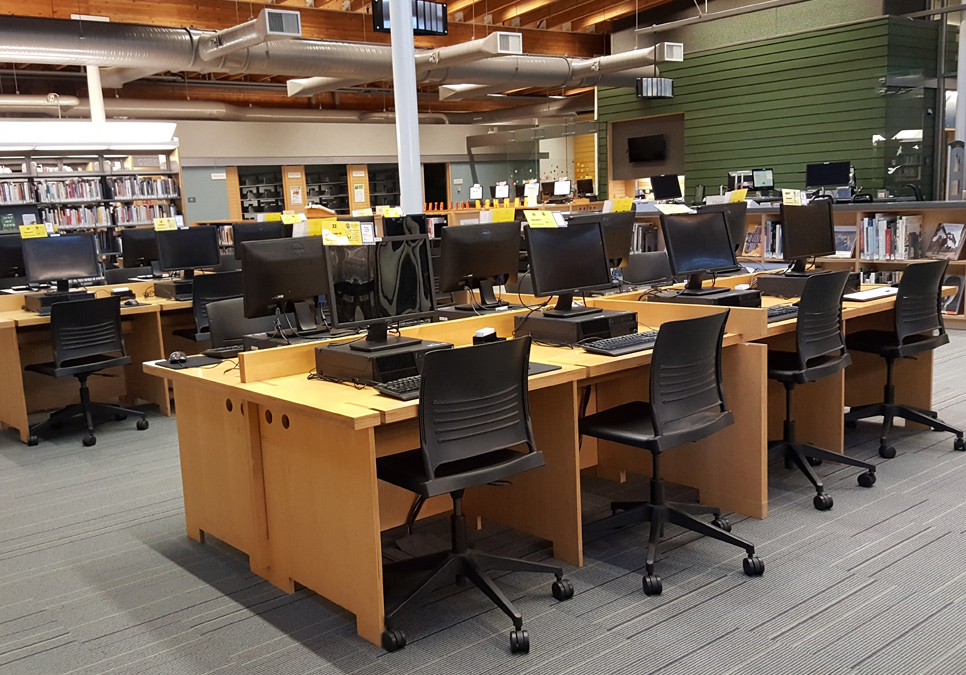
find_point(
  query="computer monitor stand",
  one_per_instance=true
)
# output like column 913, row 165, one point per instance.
column 797, row 269
column 488, row 301
column 378, row 339
column 565, row 308
column 695, row 287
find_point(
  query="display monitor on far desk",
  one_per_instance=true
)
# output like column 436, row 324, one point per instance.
column 618, row 231
column 561, row 188
column 807, row 232
column 698, row 245
column 567, row 260
column 666, row 187
column 188, row 249
column 828, row 174
column 60, row 260
column 11, row 256
column 414, row 223
column 585, row 186
column 139, row 246
column 479, row 256
column 734, row 218
column 500, row 191
column 242, row 232
column 763, row 179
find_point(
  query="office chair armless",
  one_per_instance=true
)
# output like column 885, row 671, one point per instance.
column 919, row 328
column 207, row 288
column 227, row 322
column 119, row 275
column 474, row 420
column 85, row 336
column 686, row 405
column 820, row 352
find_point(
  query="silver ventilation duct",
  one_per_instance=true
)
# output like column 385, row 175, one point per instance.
column 270, row 25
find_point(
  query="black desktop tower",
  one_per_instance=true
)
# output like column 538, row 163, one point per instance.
column 792, row 286
column 175, row 289
column 570, row 330
column 342, row 362
column 41, row 302
column 727, row 298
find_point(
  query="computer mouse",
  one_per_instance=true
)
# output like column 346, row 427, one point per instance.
column 177, row 358
column 130, row 303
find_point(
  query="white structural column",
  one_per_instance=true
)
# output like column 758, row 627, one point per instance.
column 407, row 111
column 96, row 95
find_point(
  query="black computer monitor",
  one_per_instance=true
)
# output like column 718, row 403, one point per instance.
column 11, row 256
column 807, row 232
column 139, row 246
column 546, row 188
column 398, row 227
column 763, row 179
column 734, row 218
column 479, row 256
column 188, row 249
column 585, row 186
column 567, row 260
column 61, row 259
column 277, row 273
column 242, row 232
column 372, row 286
column 618, row 233
column 698, row 244
column 518, row 190
column 828, row 174
column 666, row 186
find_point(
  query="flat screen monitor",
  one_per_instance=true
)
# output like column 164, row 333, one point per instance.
column 734, row 218
column 476, row 192
column 643, row 149
column 371, row 286
column 60, row 259
column 567, row 260
column 561, row 188
column 618, row 233
column 666, row 186
column 501, row 191
column 188, row 249
column 139, row 246
column 242, row 232
column 698, row 244
column 277, row 273
column 11, row 256
column 547, row 188
column 479, row 256
column 585, row 186
column 411, row 224
column 518, row 190
column 807, row 232
column 828, row 174
column 763, row 179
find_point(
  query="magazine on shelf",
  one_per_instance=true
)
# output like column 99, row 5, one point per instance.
column 754, row 243
column 954, row 303
column 845, row 236
column 946, row 242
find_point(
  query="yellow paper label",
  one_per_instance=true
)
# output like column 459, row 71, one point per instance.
column 623, row 204
column 34, row 231
column 273, row 216
column 540, row 218
column 791, row 197
column 672, row 208
column 504, row 215
column 291, row 218
column 162, row 224
column 392, row 212
column 365, row 212
column 739, row 195
column 314, row 226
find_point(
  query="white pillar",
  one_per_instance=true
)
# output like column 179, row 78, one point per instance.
column 96, row 95
column 960, row 81
column 407, row 111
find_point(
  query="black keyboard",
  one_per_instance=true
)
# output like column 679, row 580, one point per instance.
column 405, row 388
column 622, row 344
column 782, row 312
column 228, row 352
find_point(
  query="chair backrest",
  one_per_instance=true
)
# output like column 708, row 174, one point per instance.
column 819, row 329
column 228, row 324
column 919, row 299
column 208, row 288
column 686, row 368
column 83, row 328
column 119, row 275
column 227, row 262
column 652, row 266
column 474, row 400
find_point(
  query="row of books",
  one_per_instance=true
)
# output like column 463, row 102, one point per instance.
column 70, row 189
column 136, row 214
column 76, row 217
column 763, row 240
column 131, row 187
column 885, row 237
column 15, row 192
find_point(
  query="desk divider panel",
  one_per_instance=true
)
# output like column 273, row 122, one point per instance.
column 750, row 323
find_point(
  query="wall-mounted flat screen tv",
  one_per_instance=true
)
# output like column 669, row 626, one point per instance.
column 646, row 149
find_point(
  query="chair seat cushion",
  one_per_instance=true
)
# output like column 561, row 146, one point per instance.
column 886, row 343
column 785, row 367
column 633, row 424
column 85, row 366
column 408, row 471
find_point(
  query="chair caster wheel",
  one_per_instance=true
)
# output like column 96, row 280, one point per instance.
column 722, row 524
column 32, row 440
column 393, row 639
column 867, row 479
column 562, row 589
column 120, row 417
column 959, row 444
column 652, row 585
column 814, row 461
column 142, row 424
column 822, row 502
column 753, row 566
column 90, row 440
column 887, row 451
column 519, row 641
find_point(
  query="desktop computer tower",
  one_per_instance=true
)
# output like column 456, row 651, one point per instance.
column 728, row 298
column 41, row 302
column 782, row 286
column 175, row 289
column 342, row 362
column 570, row 330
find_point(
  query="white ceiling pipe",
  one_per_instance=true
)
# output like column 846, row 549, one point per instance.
column 270, row 25
column 310, row 86
column 494, row 44
column 461, row 92
column 23, row 103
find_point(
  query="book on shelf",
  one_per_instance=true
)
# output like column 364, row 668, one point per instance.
column 946, row 242
column 954, row 303
column 888, row 237
column 754, row 243
column 773, row 239
column 845, row 236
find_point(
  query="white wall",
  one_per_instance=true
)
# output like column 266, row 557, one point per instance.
column 560, row 158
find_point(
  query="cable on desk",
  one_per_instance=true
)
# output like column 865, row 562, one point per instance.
column 352, row 382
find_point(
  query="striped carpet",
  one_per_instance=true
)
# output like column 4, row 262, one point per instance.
column 97, row 576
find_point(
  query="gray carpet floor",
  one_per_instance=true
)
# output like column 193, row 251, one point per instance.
column 97, row 576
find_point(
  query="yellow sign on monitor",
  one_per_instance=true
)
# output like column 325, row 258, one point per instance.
column 791, row 197
column 273, row 216
column 34, row 231
column 623, row 204
column 392, row 212
column 291, row 218
column 540, row 218
column 504, row 215
column 738, row 195
column 162, row 224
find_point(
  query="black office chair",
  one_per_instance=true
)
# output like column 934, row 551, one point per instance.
column 227, row 322
column 820, row 352
column 205, row 289
column 918, row 328
column 686, row 404
column 85, row 336
column 651, row 267
column 120, row 275
column 227, row 262
column 474, row 415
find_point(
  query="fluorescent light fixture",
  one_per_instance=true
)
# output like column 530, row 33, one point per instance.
column 74, row 135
